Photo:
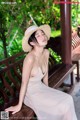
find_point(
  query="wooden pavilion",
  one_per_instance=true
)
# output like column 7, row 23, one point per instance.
column 65, row 10
column 55, row 80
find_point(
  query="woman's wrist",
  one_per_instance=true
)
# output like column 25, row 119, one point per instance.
column 20, row 105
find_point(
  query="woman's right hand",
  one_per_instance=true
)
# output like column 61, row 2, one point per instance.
column 13, row 109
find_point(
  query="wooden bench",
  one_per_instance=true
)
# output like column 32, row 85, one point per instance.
column 75, row 44
column 76, row 60
column 76, row 52
column 10, row 81
column 57, row 77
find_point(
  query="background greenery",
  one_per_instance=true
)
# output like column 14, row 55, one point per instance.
column 17, row 15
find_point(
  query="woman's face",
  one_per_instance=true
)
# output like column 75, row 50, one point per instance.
column 41, row 38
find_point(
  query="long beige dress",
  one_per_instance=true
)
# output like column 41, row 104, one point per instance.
column 48, row 103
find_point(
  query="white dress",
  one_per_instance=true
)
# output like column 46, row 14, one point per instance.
column 48, row 103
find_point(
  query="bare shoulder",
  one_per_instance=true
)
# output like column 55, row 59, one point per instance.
column 29, row 58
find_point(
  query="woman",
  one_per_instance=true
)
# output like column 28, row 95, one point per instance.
column 47, row 103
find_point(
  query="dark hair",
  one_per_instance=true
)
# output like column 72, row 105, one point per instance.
column 32, row 39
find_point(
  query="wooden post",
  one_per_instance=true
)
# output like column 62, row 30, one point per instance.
column 65, row 11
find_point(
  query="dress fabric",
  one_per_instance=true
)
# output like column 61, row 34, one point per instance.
column 48, row 103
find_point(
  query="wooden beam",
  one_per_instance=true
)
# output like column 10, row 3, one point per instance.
column 65, row 11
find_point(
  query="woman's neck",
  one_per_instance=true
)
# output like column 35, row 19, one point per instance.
column 38, row 51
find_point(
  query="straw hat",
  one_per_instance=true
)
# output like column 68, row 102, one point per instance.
column 46, row 28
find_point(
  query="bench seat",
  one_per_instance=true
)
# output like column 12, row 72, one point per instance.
column 58, row 77
column 75, row 44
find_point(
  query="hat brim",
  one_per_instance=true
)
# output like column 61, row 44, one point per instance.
column 26, row 47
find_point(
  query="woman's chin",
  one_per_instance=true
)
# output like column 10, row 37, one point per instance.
column 44, row 45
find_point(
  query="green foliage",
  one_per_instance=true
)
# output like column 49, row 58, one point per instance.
column 15, row 18
column 75, row 15
column 48, row 14
column 14, row 48
column 55, row 33
column 1, row 51
column 56, row 57
column 15, row 42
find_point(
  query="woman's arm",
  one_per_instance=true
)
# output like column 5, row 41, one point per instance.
column 27, row 67
column 45, row 79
